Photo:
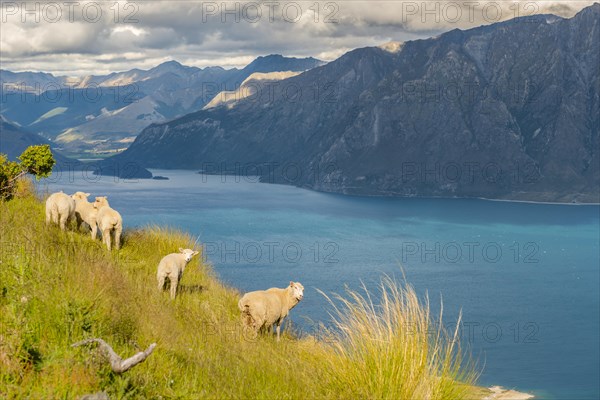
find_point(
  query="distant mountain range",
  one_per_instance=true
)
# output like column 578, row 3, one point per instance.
column 14, row 140
column 509, row 111
column 102, row 114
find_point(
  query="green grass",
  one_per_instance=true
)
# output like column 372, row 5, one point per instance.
column 57, row 288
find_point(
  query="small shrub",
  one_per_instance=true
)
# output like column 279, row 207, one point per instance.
column 35, row 160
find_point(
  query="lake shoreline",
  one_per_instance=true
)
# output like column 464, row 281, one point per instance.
column 501, row 393
column 147, row 173
column 397, row 196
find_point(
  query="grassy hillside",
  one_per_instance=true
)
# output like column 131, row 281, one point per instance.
column 57, row 288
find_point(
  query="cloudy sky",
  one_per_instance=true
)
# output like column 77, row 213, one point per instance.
column 78, row 38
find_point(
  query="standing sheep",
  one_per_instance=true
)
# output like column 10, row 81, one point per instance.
column 109, row 221
column 172, row 266
column 85, row 212
column 60, row 209
column 263, row 308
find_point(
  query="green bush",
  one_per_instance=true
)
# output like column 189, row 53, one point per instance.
column 35, row 160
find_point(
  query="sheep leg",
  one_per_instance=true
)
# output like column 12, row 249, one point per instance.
column 94, row 231
column 161, row 282
column 55, row 216
column 63, row 222
column 174, row 282
column 257, row 324
column 117, row 232
column 247, row 320
column 248, row 323
column 106, row 237
column 278, row 329
column 261, row 326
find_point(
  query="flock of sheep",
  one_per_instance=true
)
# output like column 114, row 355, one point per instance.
column 62, row 208
column 260, row 309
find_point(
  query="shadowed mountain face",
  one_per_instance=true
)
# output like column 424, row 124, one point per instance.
column 508, row 110
column 14, row 141
column 103, row 114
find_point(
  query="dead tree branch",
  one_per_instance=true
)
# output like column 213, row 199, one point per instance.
column 117, row 364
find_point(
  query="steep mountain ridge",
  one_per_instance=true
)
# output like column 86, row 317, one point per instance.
column 508, row 110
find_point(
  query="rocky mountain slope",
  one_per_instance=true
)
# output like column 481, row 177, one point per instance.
column 509, row 110
column 103, row 114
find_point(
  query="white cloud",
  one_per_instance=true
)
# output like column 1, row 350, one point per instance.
column 141, row 34
column 129, row 29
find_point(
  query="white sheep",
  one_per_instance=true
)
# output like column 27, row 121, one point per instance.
column 60, row 209
column 172, row 266
column 85, row 212
column 109, row 221
column 263, row 308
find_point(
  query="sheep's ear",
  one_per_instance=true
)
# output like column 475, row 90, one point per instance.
column 292, row 283
column 195, row 253
column 87, row 195
column 180, row 250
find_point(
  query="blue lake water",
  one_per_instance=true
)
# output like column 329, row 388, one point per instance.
column 526, row 276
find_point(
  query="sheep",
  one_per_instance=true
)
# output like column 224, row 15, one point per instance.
column 60, row 209
column 85, row 212
column 263, row 308
column 172, row 266
column 109, row 221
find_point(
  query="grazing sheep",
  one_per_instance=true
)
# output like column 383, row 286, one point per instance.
column 60, row 208
column 172, row 267
column 109, row 221
column 85, row 212
column 263, row 308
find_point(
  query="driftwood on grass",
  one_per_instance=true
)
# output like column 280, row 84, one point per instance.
column 117, row 364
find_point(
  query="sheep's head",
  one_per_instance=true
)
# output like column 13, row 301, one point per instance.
column 80, row 196
column 297, row 290
column 188, row 254
column 101, row 201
